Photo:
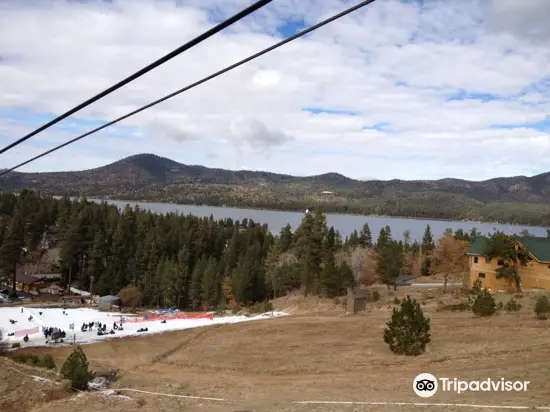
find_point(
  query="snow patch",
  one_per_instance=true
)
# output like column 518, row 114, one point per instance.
column 113, row 394
column 64, row 319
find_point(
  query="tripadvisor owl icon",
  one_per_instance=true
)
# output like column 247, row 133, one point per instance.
column 425, row 385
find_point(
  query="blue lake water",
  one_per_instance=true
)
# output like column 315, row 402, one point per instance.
column 346, row 224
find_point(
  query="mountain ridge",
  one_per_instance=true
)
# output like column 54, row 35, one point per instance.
column 149, row 157
column 151, row 177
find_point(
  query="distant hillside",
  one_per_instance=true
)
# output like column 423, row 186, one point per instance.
column 149, row 177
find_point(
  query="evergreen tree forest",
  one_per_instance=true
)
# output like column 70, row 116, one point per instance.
column 194, row 263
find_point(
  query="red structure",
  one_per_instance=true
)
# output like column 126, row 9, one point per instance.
column 169, row 316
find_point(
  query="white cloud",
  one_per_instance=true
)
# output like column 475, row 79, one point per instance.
column 392, row 64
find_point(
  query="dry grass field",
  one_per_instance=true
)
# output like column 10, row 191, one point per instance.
column 321, row 355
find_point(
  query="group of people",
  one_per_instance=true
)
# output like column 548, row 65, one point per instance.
column 101, row 328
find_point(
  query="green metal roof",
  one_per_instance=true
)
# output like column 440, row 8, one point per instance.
column 477, row 247
column 539, row 247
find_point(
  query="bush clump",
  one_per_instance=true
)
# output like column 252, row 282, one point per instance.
column 542, row 307
column 476, row 288
column 75, row 369
column 48, row 362
column 408, row 331
column 513, row 305
column 261, row 307
column 45, row 361
column 484, row 304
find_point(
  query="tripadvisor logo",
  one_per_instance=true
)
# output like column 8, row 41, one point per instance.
column 426, row 385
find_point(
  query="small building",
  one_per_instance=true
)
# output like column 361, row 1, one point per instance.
column 106, row 302
column 356, row 300
column 26, row 283
column 52, row 290
column 534, row 275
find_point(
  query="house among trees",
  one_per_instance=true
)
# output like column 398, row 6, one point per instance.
column 36, row 284
column 26, row 283
column 502, row 261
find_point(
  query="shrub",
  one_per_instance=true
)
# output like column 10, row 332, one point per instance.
column 396, row 301
column 48, row 362
column 476, row 288
column 375, row 296
column 453, row 307
column 408, row 331
column 75, row 369
column 542, row 307
column 484, row 304
column 513, row 305
column 260, row 307
column 130, row 296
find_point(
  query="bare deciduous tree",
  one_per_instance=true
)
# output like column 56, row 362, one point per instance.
column 130, row 296
column 412, row 264
column 362, row 263
column 449, row 258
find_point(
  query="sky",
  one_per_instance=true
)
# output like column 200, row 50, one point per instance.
column 406, row 89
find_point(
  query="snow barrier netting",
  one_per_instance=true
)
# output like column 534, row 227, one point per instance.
column 30, row 331
column 169, row 316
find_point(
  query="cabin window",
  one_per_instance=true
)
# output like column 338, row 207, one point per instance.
column 500, row 262
column 475, row 260
column 481, row 275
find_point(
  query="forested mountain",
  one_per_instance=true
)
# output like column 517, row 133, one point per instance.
column 151, row 178
column 190, row 262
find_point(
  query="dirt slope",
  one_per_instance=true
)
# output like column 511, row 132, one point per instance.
column 267, row 365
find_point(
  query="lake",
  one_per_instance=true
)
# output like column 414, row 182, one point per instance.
column 346, row 224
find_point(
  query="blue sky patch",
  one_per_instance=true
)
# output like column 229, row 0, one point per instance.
column 377, row 126
column 319, row 110
column 74, row 125
column 291, row 27
column 465, row 95
column 542, row 126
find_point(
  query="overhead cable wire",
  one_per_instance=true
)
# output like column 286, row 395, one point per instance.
column 199, row 39
column 197, row 83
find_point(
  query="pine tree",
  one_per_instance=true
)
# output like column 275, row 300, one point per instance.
column 427, row 239
column 390, row 263
column 353, row 240
column 195, row 288
column 248, row 278
column 97, row 260
column 384, row 238
column 210, row 285
column 484, row 304
column 365, row 237
column 503, row 246
column 408, row 331
column 75, row 369
column 331, row 283
column 12, row 244
column 285, row 238
column 309, row 250
column 184, row 278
